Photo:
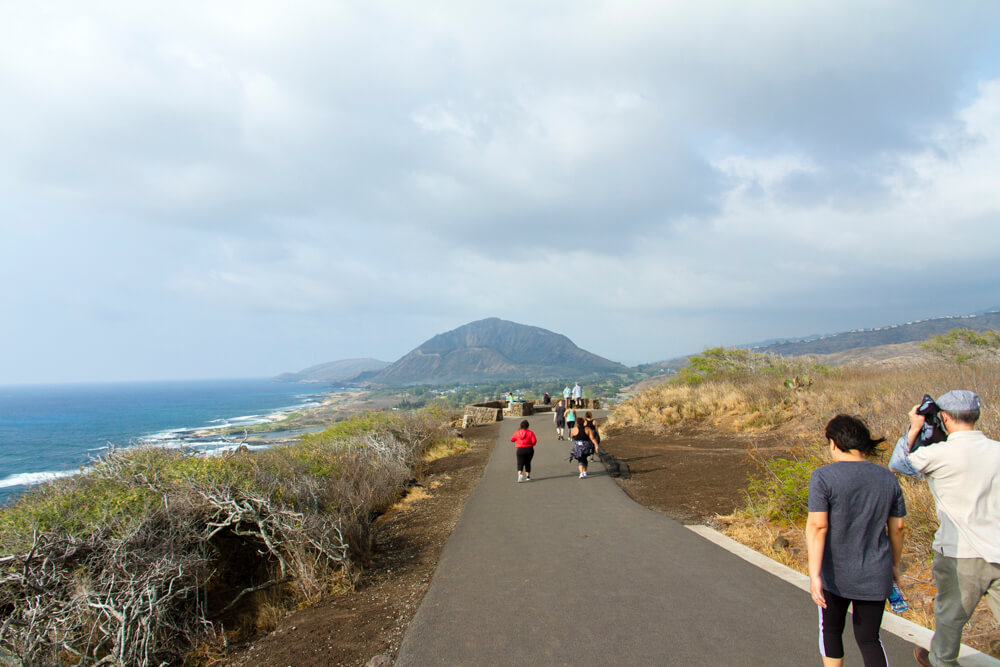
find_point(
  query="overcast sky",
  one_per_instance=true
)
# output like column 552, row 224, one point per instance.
column 235, row 189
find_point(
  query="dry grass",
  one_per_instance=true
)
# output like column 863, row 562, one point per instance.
column 443, row 449
column 752, row 401
column 415, row 495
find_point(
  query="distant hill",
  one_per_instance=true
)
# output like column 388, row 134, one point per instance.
column 894, row 334
column 896, row 342
column 334, row 371
column 494, row 349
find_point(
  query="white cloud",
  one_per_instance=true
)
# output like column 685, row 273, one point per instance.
column 367, row 173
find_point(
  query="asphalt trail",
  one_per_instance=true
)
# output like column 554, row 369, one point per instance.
column 569, row 571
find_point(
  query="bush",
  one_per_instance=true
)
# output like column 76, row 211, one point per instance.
column 154, row 552
column 780, row 492
column 721, row 362
column 961, row 345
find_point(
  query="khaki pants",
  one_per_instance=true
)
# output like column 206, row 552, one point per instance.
column 961, row 583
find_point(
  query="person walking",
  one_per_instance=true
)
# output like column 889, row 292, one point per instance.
column 566, row 394
column 588, row 419
column 524, row 447
column 854, row 537
column 963, row 474
column 583, row 445
column 559, row 419
column 577, row 395
column 570, row 419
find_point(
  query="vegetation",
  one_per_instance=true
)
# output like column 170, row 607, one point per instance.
column 961, row 345
column 155, row 554
column 732, row 363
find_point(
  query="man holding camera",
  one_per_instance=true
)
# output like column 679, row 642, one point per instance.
column 963, row 474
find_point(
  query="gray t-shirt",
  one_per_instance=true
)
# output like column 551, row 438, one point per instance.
column 859, row 497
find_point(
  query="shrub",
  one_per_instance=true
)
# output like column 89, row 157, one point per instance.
column 154, row 552
column 961, row 345
column 780, row 492
column 721, row 362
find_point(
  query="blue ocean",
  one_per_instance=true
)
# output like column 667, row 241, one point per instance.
column 48, row 431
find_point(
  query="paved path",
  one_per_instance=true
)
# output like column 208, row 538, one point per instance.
column 569, row 571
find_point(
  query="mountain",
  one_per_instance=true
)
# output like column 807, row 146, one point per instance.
column 894, row 334
column 334, row 371
column 494, row 349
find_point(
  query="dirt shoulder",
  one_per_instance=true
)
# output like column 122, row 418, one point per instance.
column 367, row 624
column 691, row 474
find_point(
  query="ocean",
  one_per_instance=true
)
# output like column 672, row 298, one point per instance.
column 48, row 431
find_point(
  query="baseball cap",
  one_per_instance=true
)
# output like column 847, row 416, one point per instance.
column 959, row 400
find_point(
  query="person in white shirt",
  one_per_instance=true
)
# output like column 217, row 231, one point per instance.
column 577, row 394
column 963, row 474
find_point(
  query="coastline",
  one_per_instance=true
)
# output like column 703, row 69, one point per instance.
column 51, row 436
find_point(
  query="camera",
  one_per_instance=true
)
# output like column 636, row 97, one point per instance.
column 933, row 429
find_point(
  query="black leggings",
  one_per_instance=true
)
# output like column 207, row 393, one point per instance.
column 867, row 619
column 524, row 455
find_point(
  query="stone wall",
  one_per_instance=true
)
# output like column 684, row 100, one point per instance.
column 478, row 414
column 482, row 413
column 519, row 409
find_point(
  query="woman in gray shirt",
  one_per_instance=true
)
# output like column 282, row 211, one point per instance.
column 855, row 539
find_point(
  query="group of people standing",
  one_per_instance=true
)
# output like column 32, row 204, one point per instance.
column 854, row 532
column 582, row 431
column 573, row 397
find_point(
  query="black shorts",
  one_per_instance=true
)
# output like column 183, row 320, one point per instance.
column 524, row 456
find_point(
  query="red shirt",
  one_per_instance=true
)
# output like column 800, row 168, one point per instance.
column 523, row 438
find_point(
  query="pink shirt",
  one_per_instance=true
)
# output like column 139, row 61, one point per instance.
column 523, row 438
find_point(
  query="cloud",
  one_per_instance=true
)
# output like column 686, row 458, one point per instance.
column 371, row 174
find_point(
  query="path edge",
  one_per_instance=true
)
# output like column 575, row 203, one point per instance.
column 908, row 630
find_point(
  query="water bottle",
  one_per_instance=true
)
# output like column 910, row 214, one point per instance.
column 896, row 601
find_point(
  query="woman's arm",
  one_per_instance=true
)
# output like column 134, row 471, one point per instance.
column 895, row 529
column 817, row 526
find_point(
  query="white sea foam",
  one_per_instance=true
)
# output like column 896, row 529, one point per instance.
column 170, row 434
column 32, row 478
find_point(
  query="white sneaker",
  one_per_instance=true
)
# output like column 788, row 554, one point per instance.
column 582, row 475
column 527, row 479
column 520, row 476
